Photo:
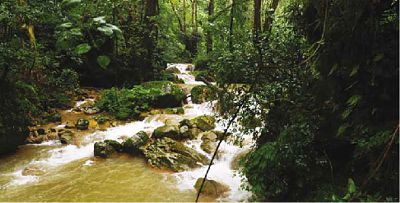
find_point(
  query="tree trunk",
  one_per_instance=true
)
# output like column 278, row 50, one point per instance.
column 150, row 37
column 269, row 16
column 209, row 33
column 257, row 18
column 231, row 26
column 184, row 15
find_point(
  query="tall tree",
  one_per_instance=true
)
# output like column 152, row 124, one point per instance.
column 150, row 36
column 209, row 33
column 257, row 17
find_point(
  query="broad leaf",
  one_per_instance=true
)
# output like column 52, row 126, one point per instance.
column 103, row 61
column 82, row 49
column 106, row 30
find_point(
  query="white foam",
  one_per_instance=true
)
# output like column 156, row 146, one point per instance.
column 19, row 179
column 48, row 143
column 88, row 163
column 220, row 171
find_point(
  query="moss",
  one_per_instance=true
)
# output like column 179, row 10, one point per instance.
column 204, row 123
column 202, row 93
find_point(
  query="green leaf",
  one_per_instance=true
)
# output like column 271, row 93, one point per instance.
column 66, row 25
column 82, row 49
column 70, row 3
column 378, row 57
column 354, row 71
column 114, row 28
column 354, row 100
column 351, row 186
column 76, row 32
column 103, row 61
column 99, row 20
column 106, row 30
column 333, row 69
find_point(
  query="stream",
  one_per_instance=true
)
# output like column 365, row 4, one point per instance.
column 72, row 173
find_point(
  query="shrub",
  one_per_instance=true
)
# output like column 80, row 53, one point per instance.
column 129, row 103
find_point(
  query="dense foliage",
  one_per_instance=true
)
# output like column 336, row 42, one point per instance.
column 316, row 81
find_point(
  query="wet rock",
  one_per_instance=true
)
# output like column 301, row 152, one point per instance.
column 211, row 188
column 208, row 146
column 102, row 149
column 202, row 93
column 171, row 96
column 209, row 135
column 204, row 123
column 69, row 125
column 66, row 137
column 41, row 131
column 155, row 111
column 89, row 108
column 133, row 145
column 171, row 131
column 33, row 171
column 235, row 164
column 82, row 124
column 172, row 69
column 190, row 67
column 166, row 153
column 114, row 144
column 209, row 139
column 188, row 130
column 178, row 110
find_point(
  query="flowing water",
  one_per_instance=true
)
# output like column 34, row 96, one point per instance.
column 72, row 173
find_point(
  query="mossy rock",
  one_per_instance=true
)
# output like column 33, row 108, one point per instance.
column 173, row 69
column 203, row 93
column 133, row 145
column 208, row 146
column 103, row 149
column 178, row 110
column 66, row 137
column 114, row 144
column 171, row 131
column 82, row 124
column 166, row 153
column 211, row 188
column 204, row 123
column 171, row 96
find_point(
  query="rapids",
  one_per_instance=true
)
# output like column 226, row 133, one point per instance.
column 72, row 173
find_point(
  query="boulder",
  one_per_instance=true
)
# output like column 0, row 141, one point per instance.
column 204, row 123
column 171, row 131
column 172, row 69
column 133, row 145
column 211, row 188
column 209, row 139
column 208, row 146
column 103, row 149
column 114, row 144
column 209, row 135
column 89, row 108
column 66, row 136
column 41, row 131
column 202, row 93
column 82, row 124
column 166, row 153
column 188, row 130
column 171, row 95
column 178, row 110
